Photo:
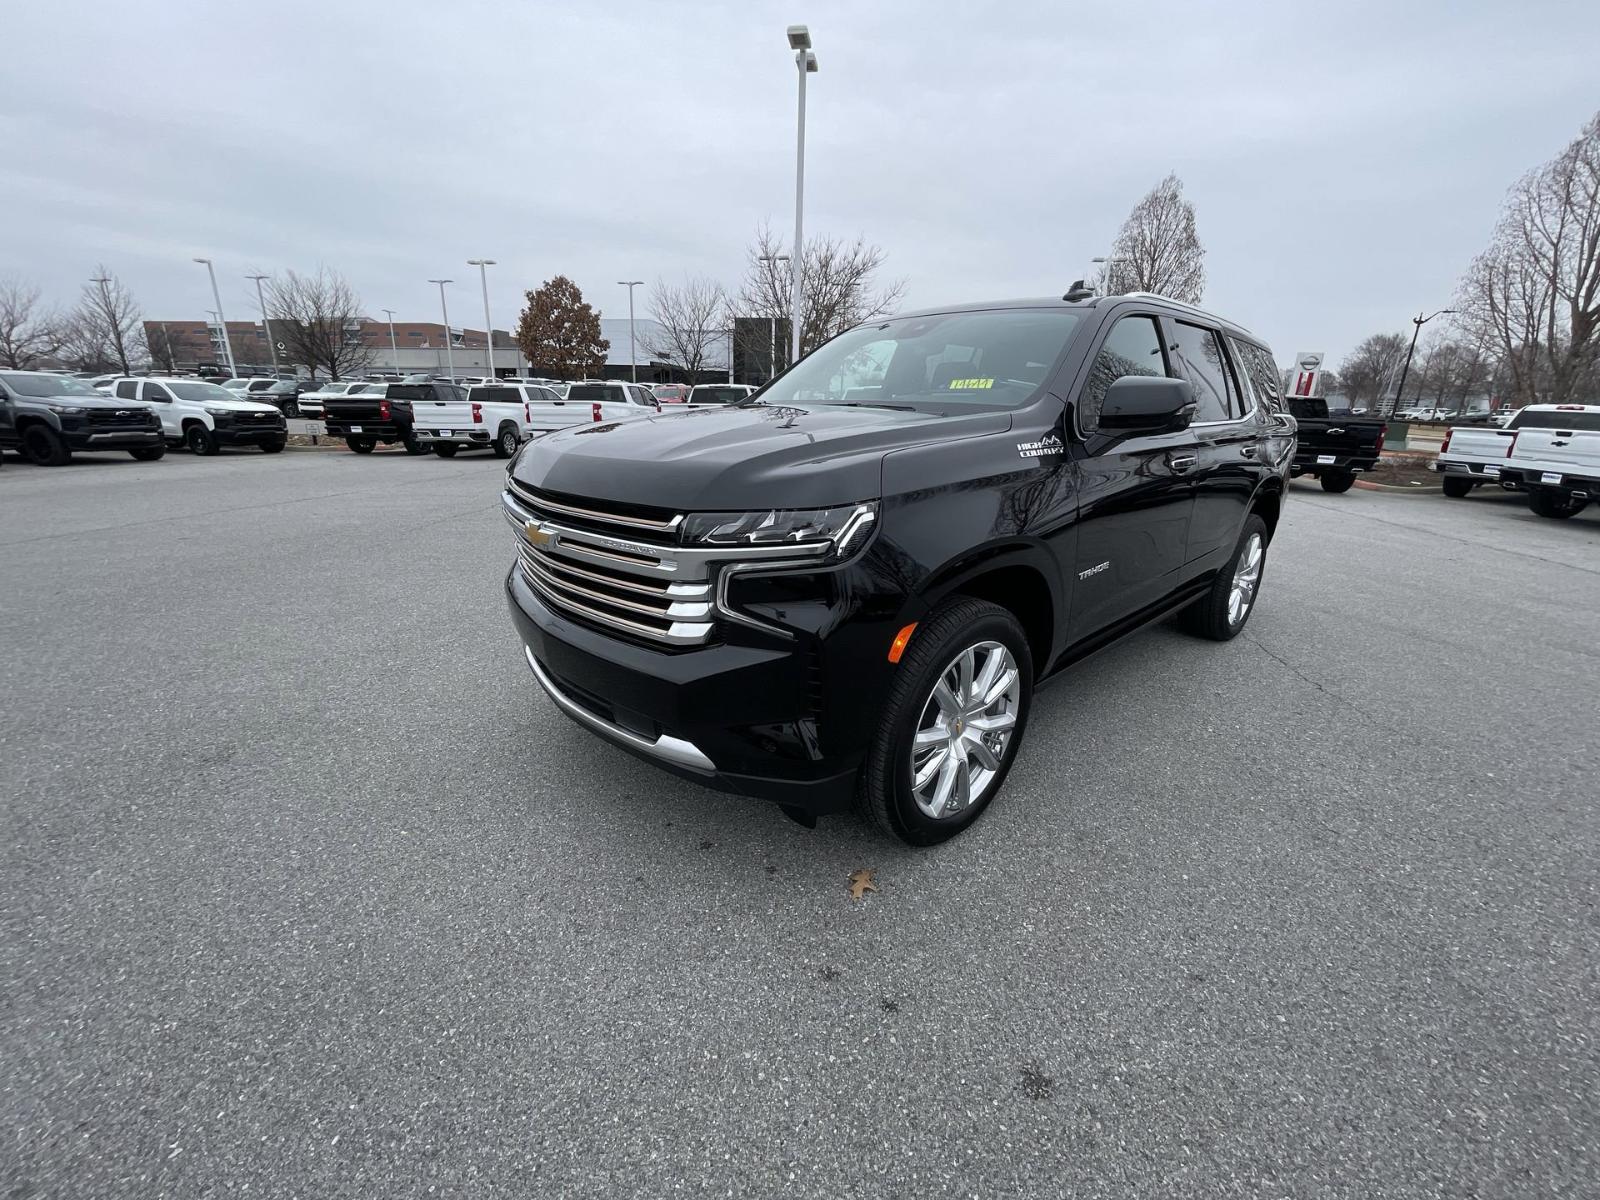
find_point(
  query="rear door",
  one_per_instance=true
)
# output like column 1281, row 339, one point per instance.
column 1227, row 441
column 1135, row 494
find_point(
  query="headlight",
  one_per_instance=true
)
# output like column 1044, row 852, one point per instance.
column 219, row 412
column 844, row 526
column 67, row 410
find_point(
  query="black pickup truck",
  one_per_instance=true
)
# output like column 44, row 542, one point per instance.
column 1334, row 447
column 47, row 417
column 844, row 588
column 384, row 415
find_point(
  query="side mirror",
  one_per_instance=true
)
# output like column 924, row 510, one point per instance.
column 1143, row 404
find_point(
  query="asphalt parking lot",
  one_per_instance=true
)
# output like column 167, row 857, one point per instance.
column 308, row 891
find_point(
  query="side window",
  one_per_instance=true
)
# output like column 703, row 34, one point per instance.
column 127, row 389
column 1133, row 347
column 1263, row 373
column 1197, row 355
column 154, row 391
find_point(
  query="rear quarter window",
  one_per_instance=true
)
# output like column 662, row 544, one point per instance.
column 1589, row 421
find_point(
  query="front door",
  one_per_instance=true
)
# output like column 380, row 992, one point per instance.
column 1135, row 495
column 158, row 398
column 1227, row 444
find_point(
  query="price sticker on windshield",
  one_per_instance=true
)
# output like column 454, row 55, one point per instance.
column 970, row 385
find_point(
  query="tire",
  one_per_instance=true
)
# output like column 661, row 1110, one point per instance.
column 292, row 409
column 1554, row 505
column 1214, row 615
column 506, row 442
column 446, row 449
column 886, row 787
column 1338, row 481
column 361, row 445
column 149, row 453
column 414, row 447
column 44, row 447
column 272, row 447
column 200, row 440
column 1456, row 487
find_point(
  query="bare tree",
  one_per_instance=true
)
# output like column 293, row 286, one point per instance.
column 1533, row 296
column 690, row 320
column 1369, row 369
column 28, row 330
column 839, row 279
column 108, row 321
column 1157, row 249
column 318, row 318
column 165, row 346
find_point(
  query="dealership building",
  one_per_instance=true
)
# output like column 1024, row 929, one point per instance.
column 426, row 347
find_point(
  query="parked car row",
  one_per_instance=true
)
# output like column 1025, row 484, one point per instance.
column 446, row 418
column 1550, row 452
column 47, row 417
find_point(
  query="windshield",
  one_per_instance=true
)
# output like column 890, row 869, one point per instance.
column 718, row 395
column 185, row 389
column 949, row 362
column 48, row 385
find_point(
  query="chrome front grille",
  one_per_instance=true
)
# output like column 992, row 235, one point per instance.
column 621, row 567
column 626, row 584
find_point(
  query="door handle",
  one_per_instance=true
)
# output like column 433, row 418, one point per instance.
column 1249, row 451
column 1180, row 462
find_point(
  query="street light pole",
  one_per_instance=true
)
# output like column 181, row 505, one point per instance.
column 805, row 64
column 1417, row 322
column 266, row 325
column 633, row 356
column 449, row 357
column 483, row 265
column 394, row 349
column 227, row 345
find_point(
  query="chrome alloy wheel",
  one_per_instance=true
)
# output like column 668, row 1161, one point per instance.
column 1245, row 578
column 964, row 729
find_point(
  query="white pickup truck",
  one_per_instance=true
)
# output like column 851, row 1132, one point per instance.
column 1472, row 455
column 494, row 416
column 1556, row 459
column 589, row 402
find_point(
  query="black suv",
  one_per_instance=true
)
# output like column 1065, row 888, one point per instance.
column 847, row 586
column 47, row 416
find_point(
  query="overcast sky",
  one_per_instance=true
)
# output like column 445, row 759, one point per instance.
column 1346, row 159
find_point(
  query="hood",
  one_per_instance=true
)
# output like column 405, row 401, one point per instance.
column 95, row 402
column 721, row 459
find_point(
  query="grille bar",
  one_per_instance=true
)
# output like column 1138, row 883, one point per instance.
column 627, row 521
column 666, row 612
column 676, row 633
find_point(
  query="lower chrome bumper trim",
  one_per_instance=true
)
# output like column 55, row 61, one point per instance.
column 671, row 749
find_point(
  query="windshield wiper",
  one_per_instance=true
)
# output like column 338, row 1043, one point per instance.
column 875, row 404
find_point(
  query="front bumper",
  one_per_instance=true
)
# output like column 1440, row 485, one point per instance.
column 252, row 435
column 89, row 438
column 739, row 718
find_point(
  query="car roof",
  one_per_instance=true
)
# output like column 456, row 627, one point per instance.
column 1151, row 299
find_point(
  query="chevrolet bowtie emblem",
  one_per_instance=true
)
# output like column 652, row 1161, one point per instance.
column 537, row 535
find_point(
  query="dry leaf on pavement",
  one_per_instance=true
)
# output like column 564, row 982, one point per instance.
column 861, row 883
